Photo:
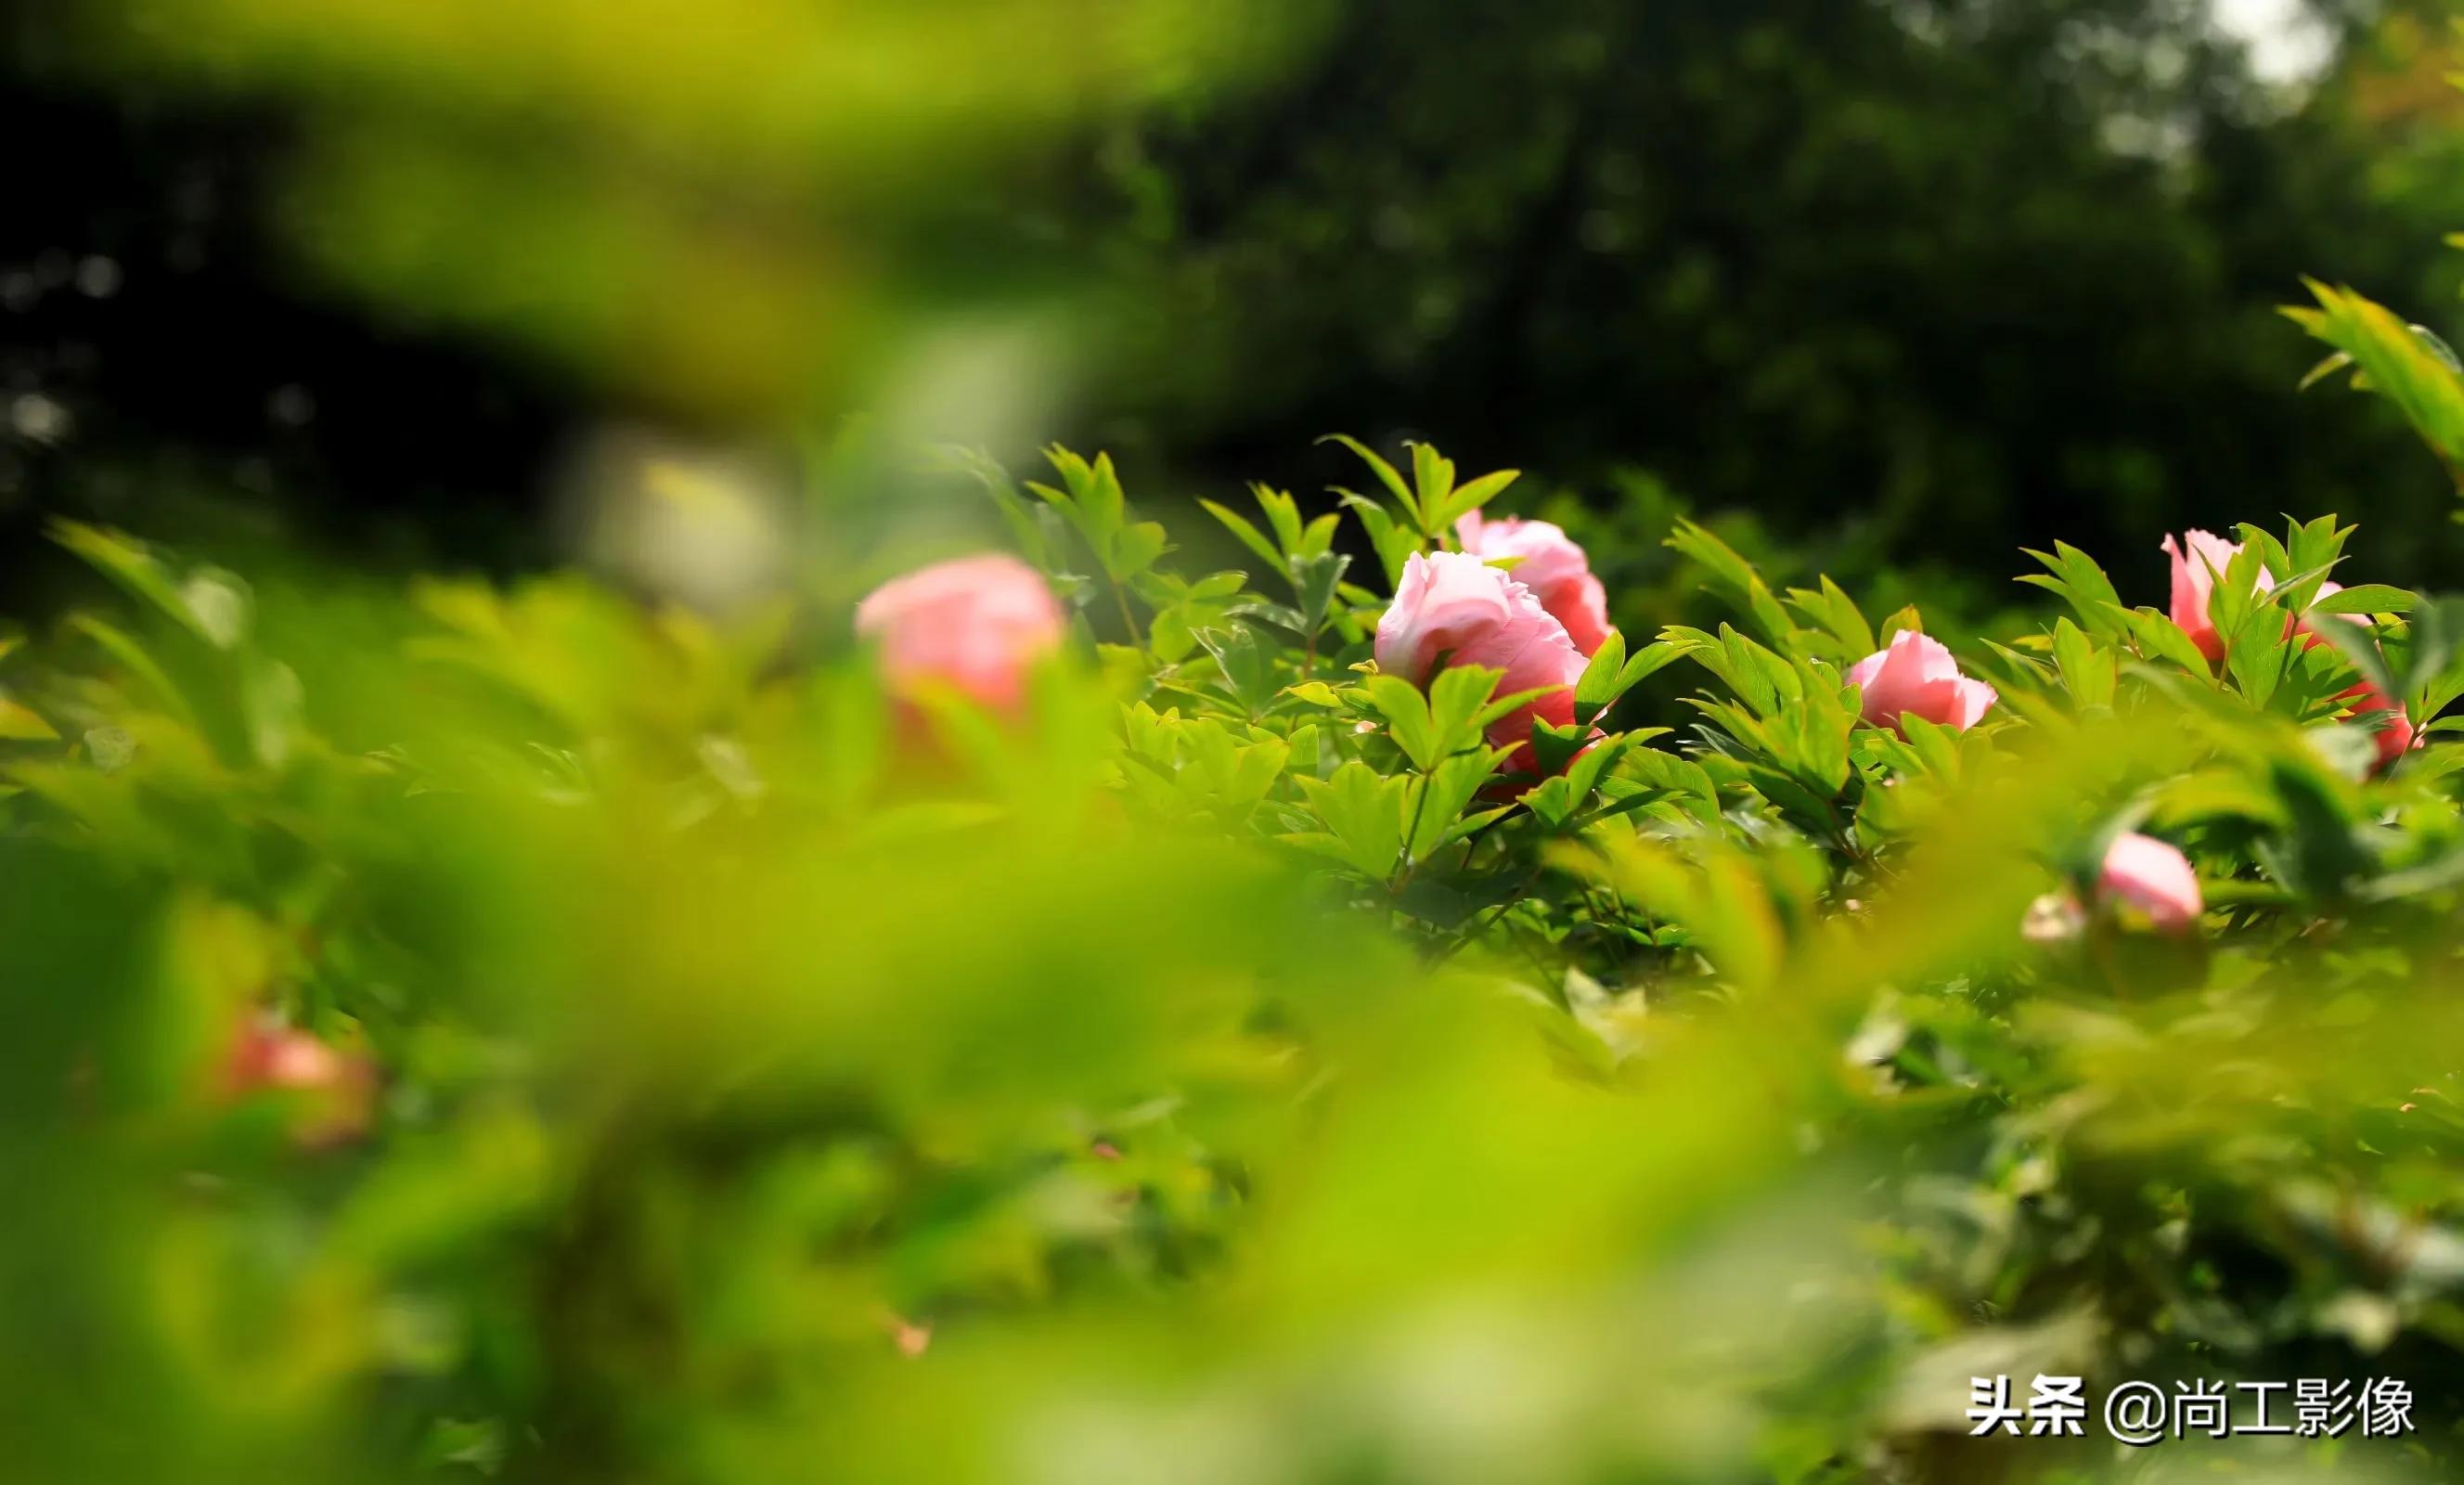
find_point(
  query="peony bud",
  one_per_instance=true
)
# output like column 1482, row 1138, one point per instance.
column 2155, row 878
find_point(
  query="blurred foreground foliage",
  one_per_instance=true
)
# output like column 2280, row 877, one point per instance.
column 1222, row 1065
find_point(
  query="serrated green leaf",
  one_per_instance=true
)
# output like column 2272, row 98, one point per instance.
column 1363, row 813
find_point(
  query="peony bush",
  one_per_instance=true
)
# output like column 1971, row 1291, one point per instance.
column 1059, row 1013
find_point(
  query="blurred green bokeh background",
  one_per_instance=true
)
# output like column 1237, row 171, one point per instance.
column 1920, row 281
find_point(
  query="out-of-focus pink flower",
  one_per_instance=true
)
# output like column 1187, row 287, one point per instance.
column 975, row 623
column 1452, row 608
column 1917, row 674
column 2153, row 877
column 2394, row 734
column 910, row 1338
column 335, row 1088
column 2198, row 561
column 1553, row 566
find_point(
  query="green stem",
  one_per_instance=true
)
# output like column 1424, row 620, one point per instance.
column 1412, row 833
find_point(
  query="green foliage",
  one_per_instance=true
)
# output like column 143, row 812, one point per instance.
column 1230, row 1031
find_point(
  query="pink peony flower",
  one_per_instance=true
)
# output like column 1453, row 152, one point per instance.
column 975, row 623
column 1553, row 566
column 1917, row 674
column 2395, row 735
column 2153, row 877
column 1452, row 608
column 2194, row 581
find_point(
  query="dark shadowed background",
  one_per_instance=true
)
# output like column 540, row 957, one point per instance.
column 1908, row 283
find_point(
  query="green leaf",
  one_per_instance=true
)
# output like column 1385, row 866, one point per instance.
column 2399, row 364
column 1734, row 579
column 1554, row 747
column 1385, row 473
column 1282, row 615
column 1394, row 543
column 124, row 649
column 1408, row 719
column 2255, row 655
column 2088, row 672
column 1244, row 663
column 1682, row 777
column 1363, row 813
column 1096, row 487
column 1443, row 792
column 1597, row 691
column 1461, row 701
column 1283, row 515
column 2365, row 598
column 1835, row 614
column 2327, row 366
column 1471, row 496
column 2074, row 575
column 1435, row 474
column 1559, row 799
column 1315, row 580
column 2430, row 640
column 1249, row 535
column 2360, row 646
column 2157, row 637
column 204, row 613
column 1136, row 548
column 1316, row 692
column 1648, row 660
column 22, row 723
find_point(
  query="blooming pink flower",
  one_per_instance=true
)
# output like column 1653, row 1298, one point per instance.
column 1452, row 608
column 975, row 623
column 1553, row 566
column 2153, row 877
column 1917, row 674
column 2195, row 571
